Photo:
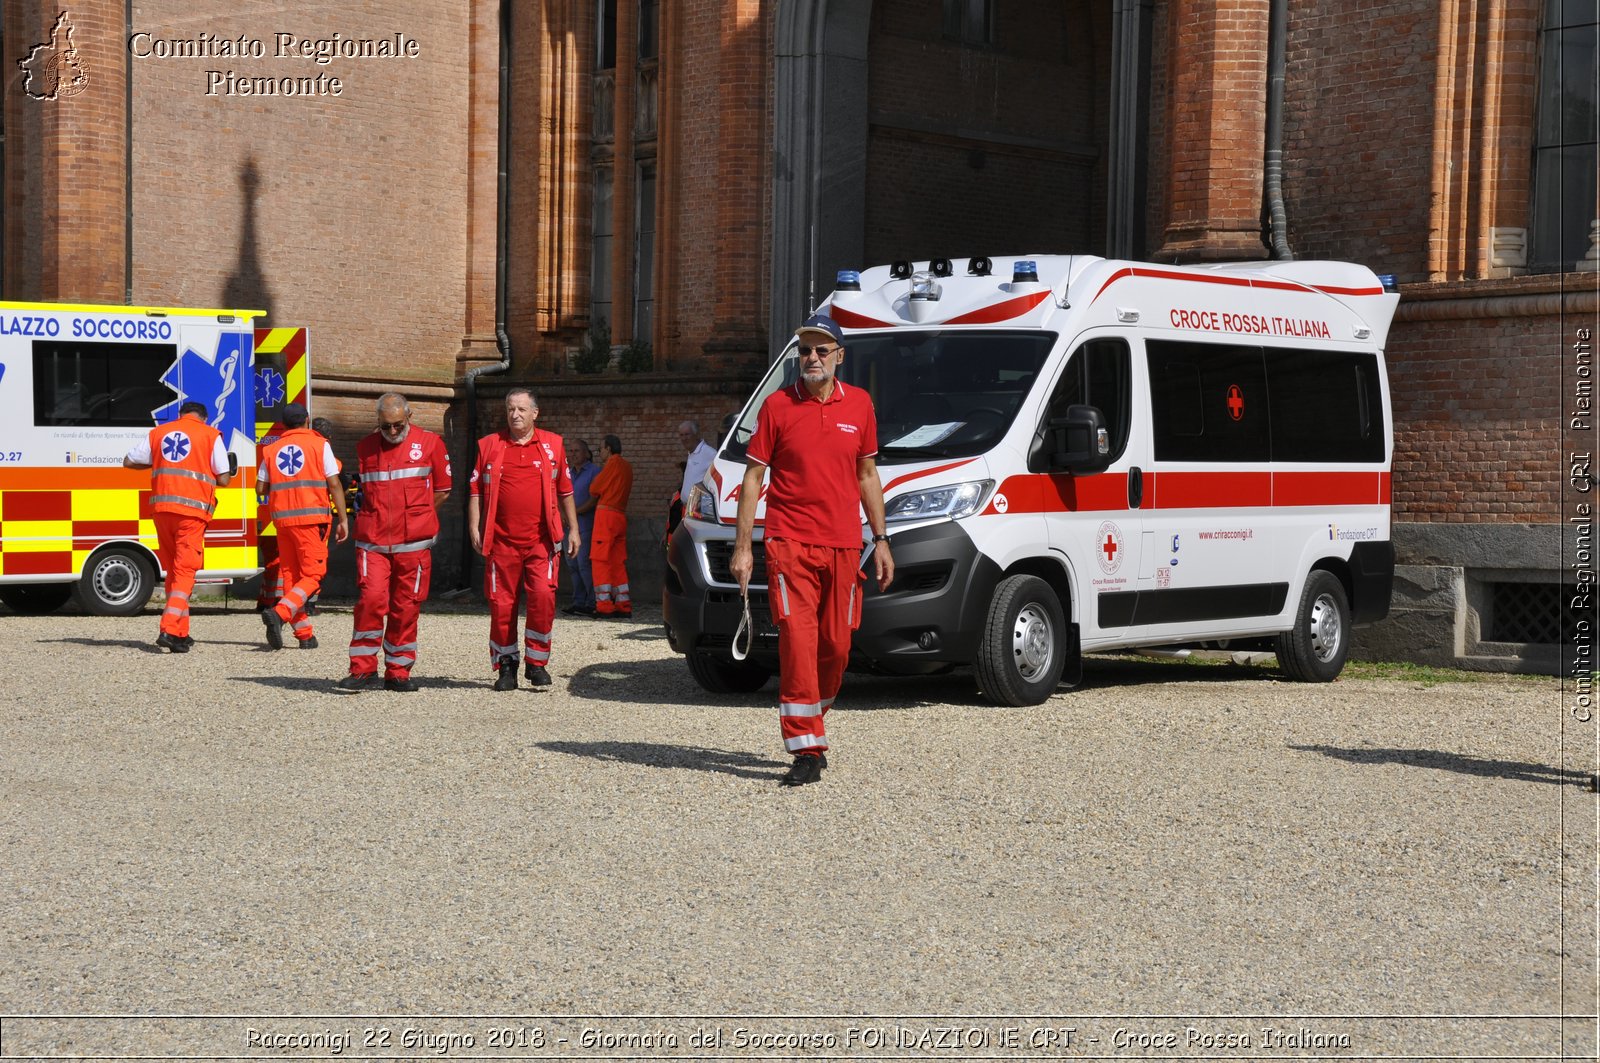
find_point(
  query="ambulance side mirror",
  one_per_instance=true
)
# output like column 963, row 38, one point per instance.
column 1079, row 441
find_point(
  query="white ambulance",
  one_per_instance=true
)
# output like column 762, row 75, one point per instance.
column 78, row 386
column 1088, row 455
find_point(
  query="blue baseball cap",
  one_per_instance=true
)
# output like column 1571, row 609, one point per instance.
column 822, row 323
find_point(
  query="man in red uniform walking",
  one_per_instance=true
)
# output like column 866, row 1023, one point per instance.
column 608, row 554
column 819, row 440
column 405, row 478
column 297, row 476
column 188, row 462
column 521, row 471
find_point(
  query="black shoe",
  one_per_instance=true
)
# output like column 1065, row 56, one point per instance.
column 188, row 643
column 356, row 682
column 824, row 758
column 804, row 770
column 173, row 643
column 537, row 675
column 571, row 610
column 401, row 686
column 585, row 610
column 507, row 680
column 309, row 643
column 274, row 624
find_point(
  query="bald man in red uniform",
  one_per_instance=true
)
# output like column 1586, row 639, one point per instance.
column 521, row 491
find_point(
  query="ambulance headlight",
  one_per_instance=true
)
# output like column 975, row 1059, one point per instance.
column 952, row 502
column 701, row 505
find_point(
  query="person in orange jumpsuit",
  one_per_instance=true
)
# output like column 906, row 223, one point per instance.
column 521, row 494
column 187, row 462
column 818, row 441
column 297, row 476
column 608, row 555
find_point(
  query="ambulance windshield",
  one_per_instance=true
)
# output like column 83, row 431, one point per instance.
column 938, row 394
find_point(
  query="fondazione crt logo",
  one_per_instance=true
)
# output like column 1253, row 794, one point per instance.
column 54, row 69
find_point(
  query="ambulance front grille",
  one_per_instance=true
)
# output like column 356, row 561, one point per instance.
column 719, row 555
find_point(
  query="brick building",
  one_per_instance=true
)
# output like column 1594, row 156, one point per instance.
column 457, row 196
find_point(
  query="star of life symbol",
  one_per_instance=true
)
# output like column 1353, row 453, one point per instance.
column 56, row 63
column 290, row 460
column 212, row 381
column 175, row 446
column 1108, row 547
column 269, row 386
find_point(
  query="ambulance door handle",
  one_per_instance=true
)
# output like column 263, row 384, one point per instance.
column 1135, row 487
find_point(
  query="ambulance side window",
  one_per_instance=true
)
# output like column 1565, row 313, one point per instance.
column 1097, row 375
column 101, row 385
column 1326, row 406
column 1208, row 402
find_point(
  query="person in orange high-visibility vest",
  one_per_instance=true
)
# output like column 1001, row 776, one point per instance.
column 608, row 554
column 187, row 463
column 297, row 476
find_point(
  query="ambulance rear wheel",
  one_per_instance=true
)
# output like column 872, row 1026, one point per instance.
column 35, row 599
column 721, row 676
column 1024, row 643
column 1313, row 651
column 117, row 581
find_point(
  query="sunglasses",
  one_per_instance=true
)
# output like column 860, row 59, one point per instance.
column 391, row 426
column 820, row 351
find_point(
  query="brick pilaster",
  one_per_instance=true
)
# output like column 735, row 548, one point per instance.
column 1218, row 129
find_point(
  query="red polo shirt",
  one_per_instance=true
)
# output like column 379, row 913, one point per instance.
column 811, row 448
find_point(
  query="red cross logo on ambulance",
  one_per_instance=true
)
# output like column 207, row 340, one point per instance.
column 1108, row 547
column 416, row 451
column 1235, row 402
column 1001, row 503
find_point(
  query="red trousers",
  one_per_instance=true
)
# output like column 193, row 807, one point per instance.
column 528, row 572
column 302, row 562
column 815, row 596
column 392, row 588
column 180, row 547
column 608, row 562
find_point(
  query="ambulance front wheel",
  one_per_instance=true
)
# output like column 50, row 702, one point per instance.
column 721, row 676
column 117, row 581
column 1024, row 644
column 1313, row 651
column 35, row 599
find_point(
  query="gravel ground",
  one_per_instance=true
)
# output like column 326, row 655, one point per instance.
column 221, row 834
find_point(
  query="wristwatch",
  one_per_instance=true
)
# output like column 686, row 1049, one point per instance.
column 880, row 538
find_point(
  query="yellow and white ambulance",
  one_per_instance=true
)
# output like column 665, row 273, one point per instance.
column 78, row 386
column 1080, row 454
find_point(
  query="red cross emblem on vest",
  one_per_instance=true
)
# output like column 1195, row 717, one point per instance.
column 1235, row 402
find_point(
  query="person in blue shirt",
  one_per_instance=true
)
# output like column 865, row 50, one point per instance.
column 584, row 470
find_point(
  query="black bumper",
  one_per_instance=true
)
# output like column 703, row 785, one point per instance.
column 931, row 617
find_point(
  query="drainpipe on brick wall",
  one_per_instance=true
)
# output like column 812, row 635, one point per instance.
column 501, row 264
column 1277, row 48
column 127, row 160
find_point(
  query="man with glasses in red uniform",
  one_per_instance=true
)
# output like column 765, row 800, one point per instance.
column 818, row 438
column 521, row 493
column 404, row 472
